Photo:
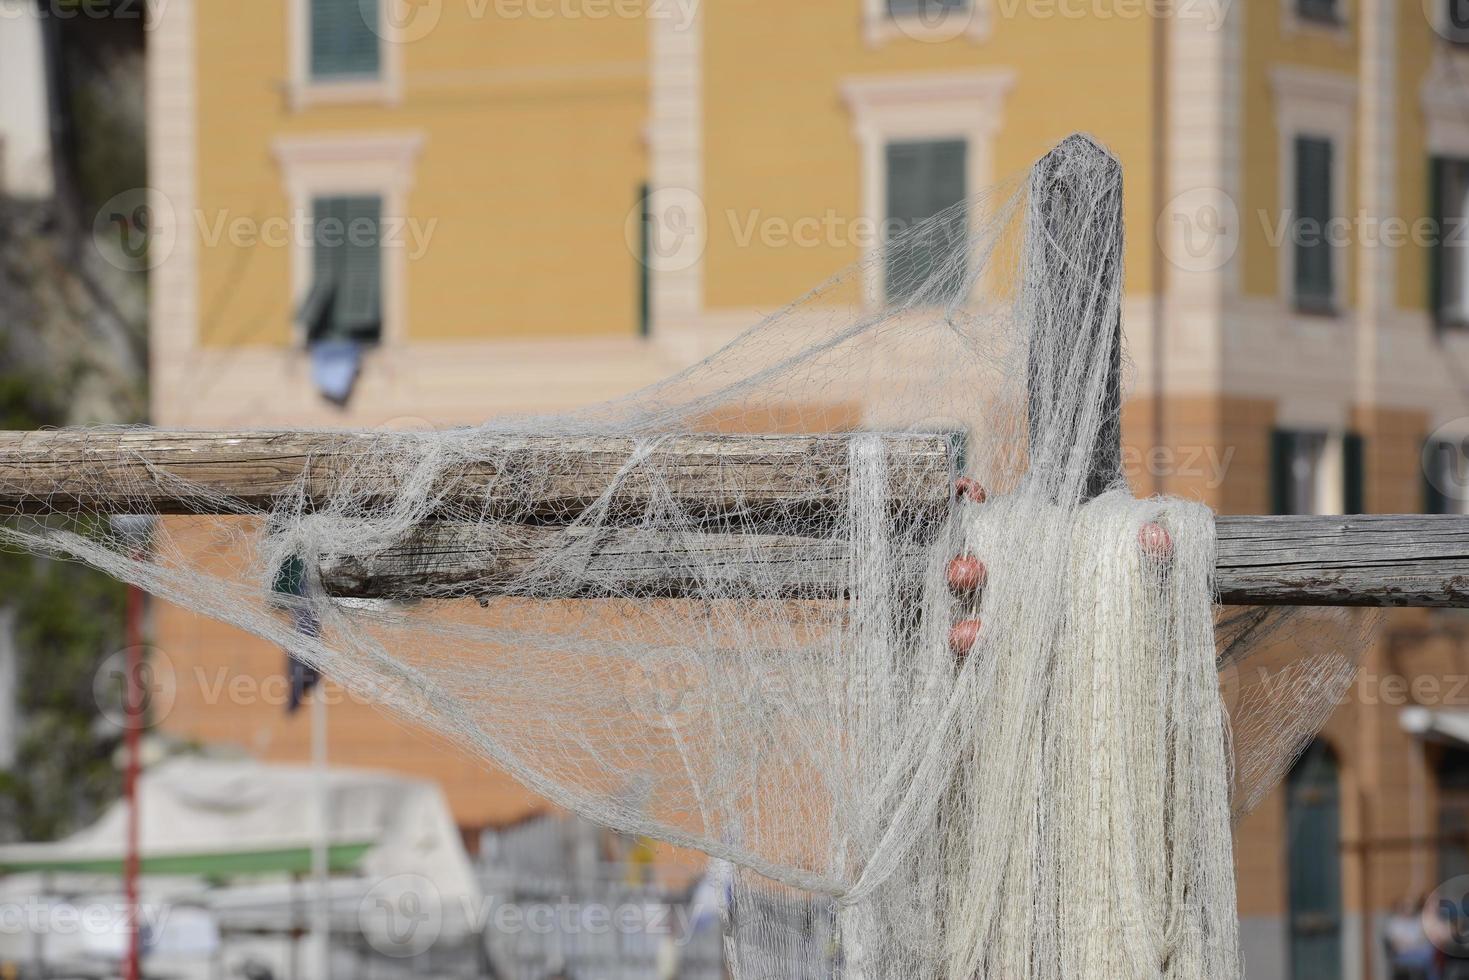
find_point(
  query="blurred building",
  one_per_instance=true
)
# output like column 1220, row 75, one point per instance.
column 25, row 138
column 1295, row 315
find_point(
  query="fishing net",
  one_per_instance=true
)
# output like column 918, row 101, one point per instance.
column 726, row 612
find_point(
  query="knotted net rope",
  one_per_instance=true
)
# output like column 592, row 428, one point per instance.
column 917, row 776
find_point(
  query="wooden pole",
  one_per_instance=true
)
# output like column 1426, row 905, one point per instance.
column 1066, row 198
column 1370, row 560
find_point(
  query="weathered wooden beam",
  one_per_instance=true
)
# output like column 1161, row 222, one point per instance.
column 728, row 479
column 1074, row 233
column 1362, row 560
column 1376, row 560
column 516, row 559
column 521, row 488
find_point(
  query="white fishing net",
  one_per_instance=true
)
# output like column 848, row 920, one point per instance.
column 725, row 612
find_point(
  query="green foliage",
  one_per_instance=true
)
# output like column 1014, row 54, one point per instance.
column 68, row 619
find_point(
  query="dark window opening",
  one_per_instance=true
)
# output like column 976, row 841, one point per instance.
column 344, row 45
column 935, row 9
column 1304, row 467
column 1319, row 11
column 926, row 261
column 345, row 299
column 1315, row 258
column 1313, row 857
column 1451, row 771
column 1449, row 264
column 645, row 262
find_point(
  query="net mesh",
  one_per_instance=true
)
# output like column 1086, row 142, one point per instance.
column 1022, row 766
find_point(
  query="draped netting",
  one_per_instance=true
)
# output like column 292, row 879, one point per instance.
column 1048, row 794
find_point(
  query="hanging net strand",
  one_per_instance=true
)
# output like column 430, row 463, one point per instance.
column 929, row 676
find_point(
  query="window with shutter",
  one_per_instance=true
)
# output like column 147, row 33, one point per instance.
column 1297, row 472
column 926, row 263
column 345, row 299
column 1449, row 272
column 645, row 262
column 344, row 39
column 1452, row 771
column 1317, row 472
column 924, row 8
column 1354, row 474
column 1315, row 287
column 1319, row 11
column 1313, row 856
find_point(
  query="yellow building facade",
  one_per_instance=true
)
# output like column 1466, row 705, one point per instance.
column 512, row 144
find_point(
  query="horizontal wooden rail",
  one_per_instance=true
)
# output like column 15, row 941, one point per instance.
column 527, row 478
column 501, row 559
column 1360, row 560
column 524, row 490
column 1376, row 560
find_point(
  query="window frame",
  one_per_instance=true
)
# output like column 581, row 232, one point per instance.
column 1315, row 103
column 306, row 89
column 1340, row 470
column 967, row 105
column 350, row 166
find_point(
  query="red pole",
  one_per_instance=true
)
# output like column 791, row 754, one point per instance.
column 133, row 736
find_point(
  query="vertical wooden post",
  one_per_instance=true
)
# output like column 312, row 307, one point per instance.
column 1070, row 204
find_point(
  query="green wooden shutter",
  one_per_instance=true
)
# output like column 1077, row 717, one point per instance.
column 344, row 39
column 317, row 310
column 1282, row 447
column 1354, row 477
column 1313, row 850
column 345, row 301
column 1322, row 11
column 645, row 262
column 1313, row 253
column 360, row 314
column 1438, row 254
column 1452, row 772
column 925, row 178
column 1435, row 501
column 948, row 194
column 923, row 8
